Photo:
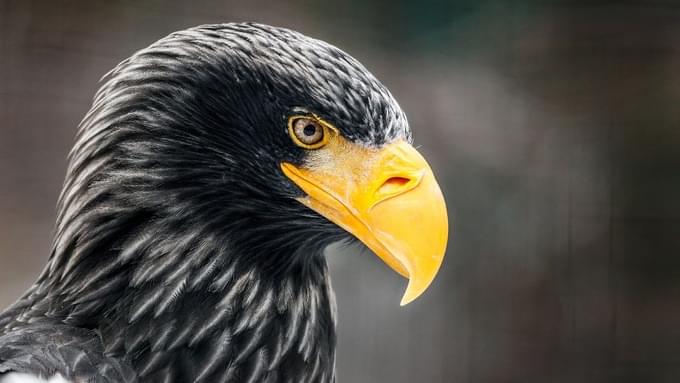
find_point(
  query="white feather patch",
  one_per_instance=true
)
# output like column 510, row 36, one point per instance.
column 15, row 377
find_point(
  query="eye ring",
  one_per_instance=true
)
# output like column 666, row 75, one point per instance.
column 309, row 132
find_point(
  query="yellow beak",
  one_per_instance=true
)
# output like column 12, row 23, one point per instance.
column 388, row 198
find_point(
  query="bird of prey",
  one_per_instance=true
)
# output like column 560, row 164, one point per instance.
column 210, row 173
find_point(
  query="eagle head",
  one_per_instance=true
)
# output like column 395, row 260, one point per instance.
column 250, row 138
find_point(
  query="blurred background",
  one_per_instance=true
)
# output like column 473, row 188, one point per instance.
column 553, row 127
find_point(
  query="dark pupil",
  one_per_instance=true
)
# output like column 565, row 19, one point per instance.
column 309, row 130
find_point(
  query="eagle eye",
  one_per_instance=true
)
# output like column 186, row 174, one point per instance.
column 308, row 132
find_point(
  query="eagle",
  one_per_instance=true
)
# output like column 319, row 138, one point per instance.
column 211, row 172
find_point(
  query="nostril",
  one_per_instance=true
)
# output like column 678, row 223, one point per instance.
column 393, row 184
column 397, row 181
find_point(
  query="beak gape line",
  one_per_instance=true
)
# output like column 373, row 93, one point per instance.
column 387, row 198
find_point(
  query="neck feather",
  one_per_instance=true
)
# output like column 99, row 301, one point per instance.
column 190, row 305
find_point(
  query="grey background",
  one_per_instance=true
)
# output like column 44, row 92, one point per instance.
column 554, row 130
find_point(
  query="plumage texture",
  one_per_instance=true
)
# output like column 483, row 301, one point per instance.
column 180, row 252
